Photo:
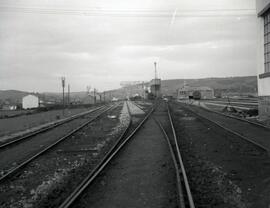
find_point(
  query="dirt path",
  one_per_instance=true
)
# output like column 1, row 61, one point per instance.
column 142, row 175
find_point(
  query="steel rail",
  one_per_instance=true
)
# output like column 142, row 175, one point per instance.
column 237, row 118
column 231, row 131
column 187, row 187
column 137, row 105
column 180, row 196
column 233, row 102
column 110, row 155
column 34, row 133
column 20, row 166
column 240, row 119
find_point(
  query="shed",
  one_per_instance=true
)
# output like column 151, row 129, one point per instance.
column 30, row 101
column 187, row 92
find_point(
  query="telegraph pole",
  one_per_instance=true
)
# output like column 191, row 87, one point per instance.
column 155, row 65
column 143, row 91
column 63, row 79
column 88, row 88
column 68, row 94
column 94, row 95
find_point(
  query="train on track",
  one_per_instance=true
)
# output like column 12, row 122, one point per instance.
column 197, row 95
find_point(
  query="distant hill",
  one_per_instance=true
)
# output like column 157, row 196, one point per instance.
column 244, row 85
column 12, row 96
column 15, row 96
column 231, row 85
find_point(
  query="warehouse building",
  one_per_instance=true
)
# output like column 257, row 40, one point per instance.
column 30, row 101
column 186, row 92
column 263, row 57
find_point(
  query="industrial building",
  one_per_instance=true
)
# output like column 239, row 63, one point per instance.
column 187, row 91
column 155, row 87
column 263, row 57
column 30, row 101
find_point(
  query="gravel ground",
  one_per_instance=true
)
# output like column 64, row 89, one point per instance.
column 238, row 114
column 141, row 175
column 48, row 179
column 251, row 131
column 16, row 154
column 224, row 171
column 145, row 105
column 12, row 125
column 134, row 110
column 14, row 113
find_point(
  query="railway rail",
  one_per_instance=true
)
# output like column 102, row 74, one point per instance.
column 234, row 105
column 121, row 142
column 185, row 199
column 238, row 118
column 56, row 124
column 230, row 130
column 255, row 104
column 184, row 194
column 66, row 150
column 211, row 152
column 18, row 167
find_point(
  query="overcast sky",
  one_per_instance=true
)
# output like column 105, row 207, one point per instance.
column 103, row 42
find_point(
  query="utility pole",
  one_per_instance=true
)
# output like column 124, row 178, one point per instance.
column 63, row 79
column 88, row 88
column 94, row 95
column 68, row 94
column 143, row 94
column 104, row 96
column 155, row 82
column 155, row 64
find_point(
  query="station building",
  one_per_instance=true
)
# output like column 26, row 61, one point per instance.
column 263, row 57
column 187, row 91
column 30, row 101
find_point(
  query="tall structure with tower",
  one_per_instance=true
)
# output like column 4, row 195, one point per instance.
column 263, row 57
column 155, row 84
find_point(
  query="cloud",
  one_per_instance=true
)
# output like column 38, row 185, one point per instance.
column 36, row 49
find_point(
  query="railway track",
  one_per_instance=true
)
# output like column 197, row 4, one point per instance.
column 220, row 161
column 237, row 118
column 185, row 199
column 240, row 106
column 225, row 124
column 93, row 163
column 184, row 194
column 240, row 103
column 56, row 124
column 121, row 142
column 98, row 112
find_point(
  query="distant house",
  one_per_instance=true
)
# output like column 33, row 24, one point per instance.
column 30, row 101
column 186, row 92
column 9, row 107
column 91, row 98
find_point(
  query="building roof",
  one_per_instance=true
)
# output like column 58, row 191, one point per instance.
column 192, row 88
column 30, row 95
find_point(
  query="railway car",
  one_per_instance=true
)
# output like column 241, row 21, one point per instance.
column 196, row 95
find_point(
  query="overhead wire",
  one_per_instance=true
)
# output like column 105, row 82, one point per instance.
column 130, row 12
